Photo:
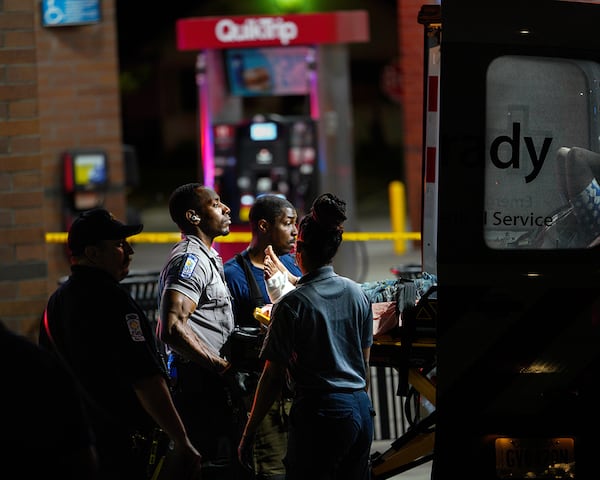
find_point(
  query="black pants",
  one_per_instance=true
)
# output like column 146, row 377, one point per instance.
column 117, row 457
column 214, row 419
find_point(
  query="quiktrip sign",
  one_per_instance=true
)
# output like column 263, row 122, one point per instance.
column 272, row 30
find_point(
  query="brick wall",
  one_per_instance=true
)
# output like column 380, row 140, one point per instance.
column 411, row 37
column 58, row 90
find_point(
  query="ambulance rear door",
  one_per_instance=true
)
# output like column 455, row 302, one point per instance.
column 518, row 228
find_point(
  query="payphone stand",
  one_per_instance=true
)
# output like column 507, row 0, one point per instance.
column 85, row 181
column 324, row 78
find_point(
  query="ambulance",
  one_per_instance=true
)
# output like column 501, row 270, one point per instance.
column 511, row 228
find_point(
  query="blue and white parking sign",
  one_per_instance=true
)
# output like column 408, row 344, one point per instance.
column 70, row 12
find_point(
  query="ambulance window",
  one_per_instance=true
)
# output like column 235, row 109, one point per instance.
column 542, row 165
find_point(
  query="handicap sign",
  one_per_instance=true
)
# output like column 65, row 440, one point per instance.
column 70, row 12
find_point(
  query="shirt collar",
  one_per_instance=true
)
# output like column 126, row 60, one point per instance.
column 320, row 273
column 211, row 252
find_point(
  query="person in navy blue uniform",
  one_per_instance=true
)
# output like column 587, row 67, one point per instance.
column 273, row 221
column 321, row 332
column 94, row 325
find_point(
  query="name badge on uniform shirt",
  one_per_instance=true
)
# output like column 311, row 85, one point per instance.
column 188, row 265
column 135, row 329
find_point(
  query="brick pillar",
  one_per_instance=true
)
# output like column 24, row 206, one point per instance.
column 411, row 37
column 58, row 90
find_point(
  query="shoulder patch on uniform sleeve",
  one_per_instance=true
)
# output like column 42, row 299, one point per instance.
column 135, row 329
column 189, row 264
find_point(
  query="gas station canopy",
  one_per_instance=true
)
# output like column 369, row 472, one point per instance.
column 297, row 156
column 272, row 30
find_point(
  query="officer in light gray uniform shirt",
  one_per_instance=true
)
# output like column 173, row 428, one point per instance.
column 196, row 320
column 196, row 271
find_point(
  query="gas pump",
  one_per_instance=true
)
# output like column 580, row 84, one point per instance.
column 269, row 154
column 225, row 183
column 262, row 161
column 303, row 162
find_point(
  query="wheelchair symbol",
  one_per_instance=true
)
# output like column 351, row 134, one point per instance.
column 53, row 14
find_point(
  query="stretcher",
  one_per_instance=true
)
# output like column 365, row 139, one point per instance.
column 411, row 350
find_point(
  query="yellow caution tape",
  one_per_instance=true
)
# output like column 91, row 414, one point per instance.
column 244, row 237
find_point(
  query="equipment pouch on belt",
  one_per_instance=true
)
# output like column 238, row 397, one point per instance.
column 245, row 345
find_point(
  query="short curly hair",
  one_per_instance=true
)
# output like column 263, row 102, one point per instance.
column 268, row 206
column 182, row 199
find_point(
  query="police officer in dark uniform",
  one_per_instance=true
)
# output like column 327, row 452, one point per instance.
column 99, row 331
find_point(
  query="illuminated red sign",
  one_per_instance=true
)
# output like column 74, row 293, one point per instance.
column 272, row 30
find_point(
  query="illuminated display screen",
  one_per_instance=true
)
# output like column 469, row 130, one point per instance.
column 263, row 131
column 89, row 170
column 267, row 71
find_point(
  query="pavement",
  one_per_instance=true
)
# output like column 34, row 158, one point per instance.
column 363, row 261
